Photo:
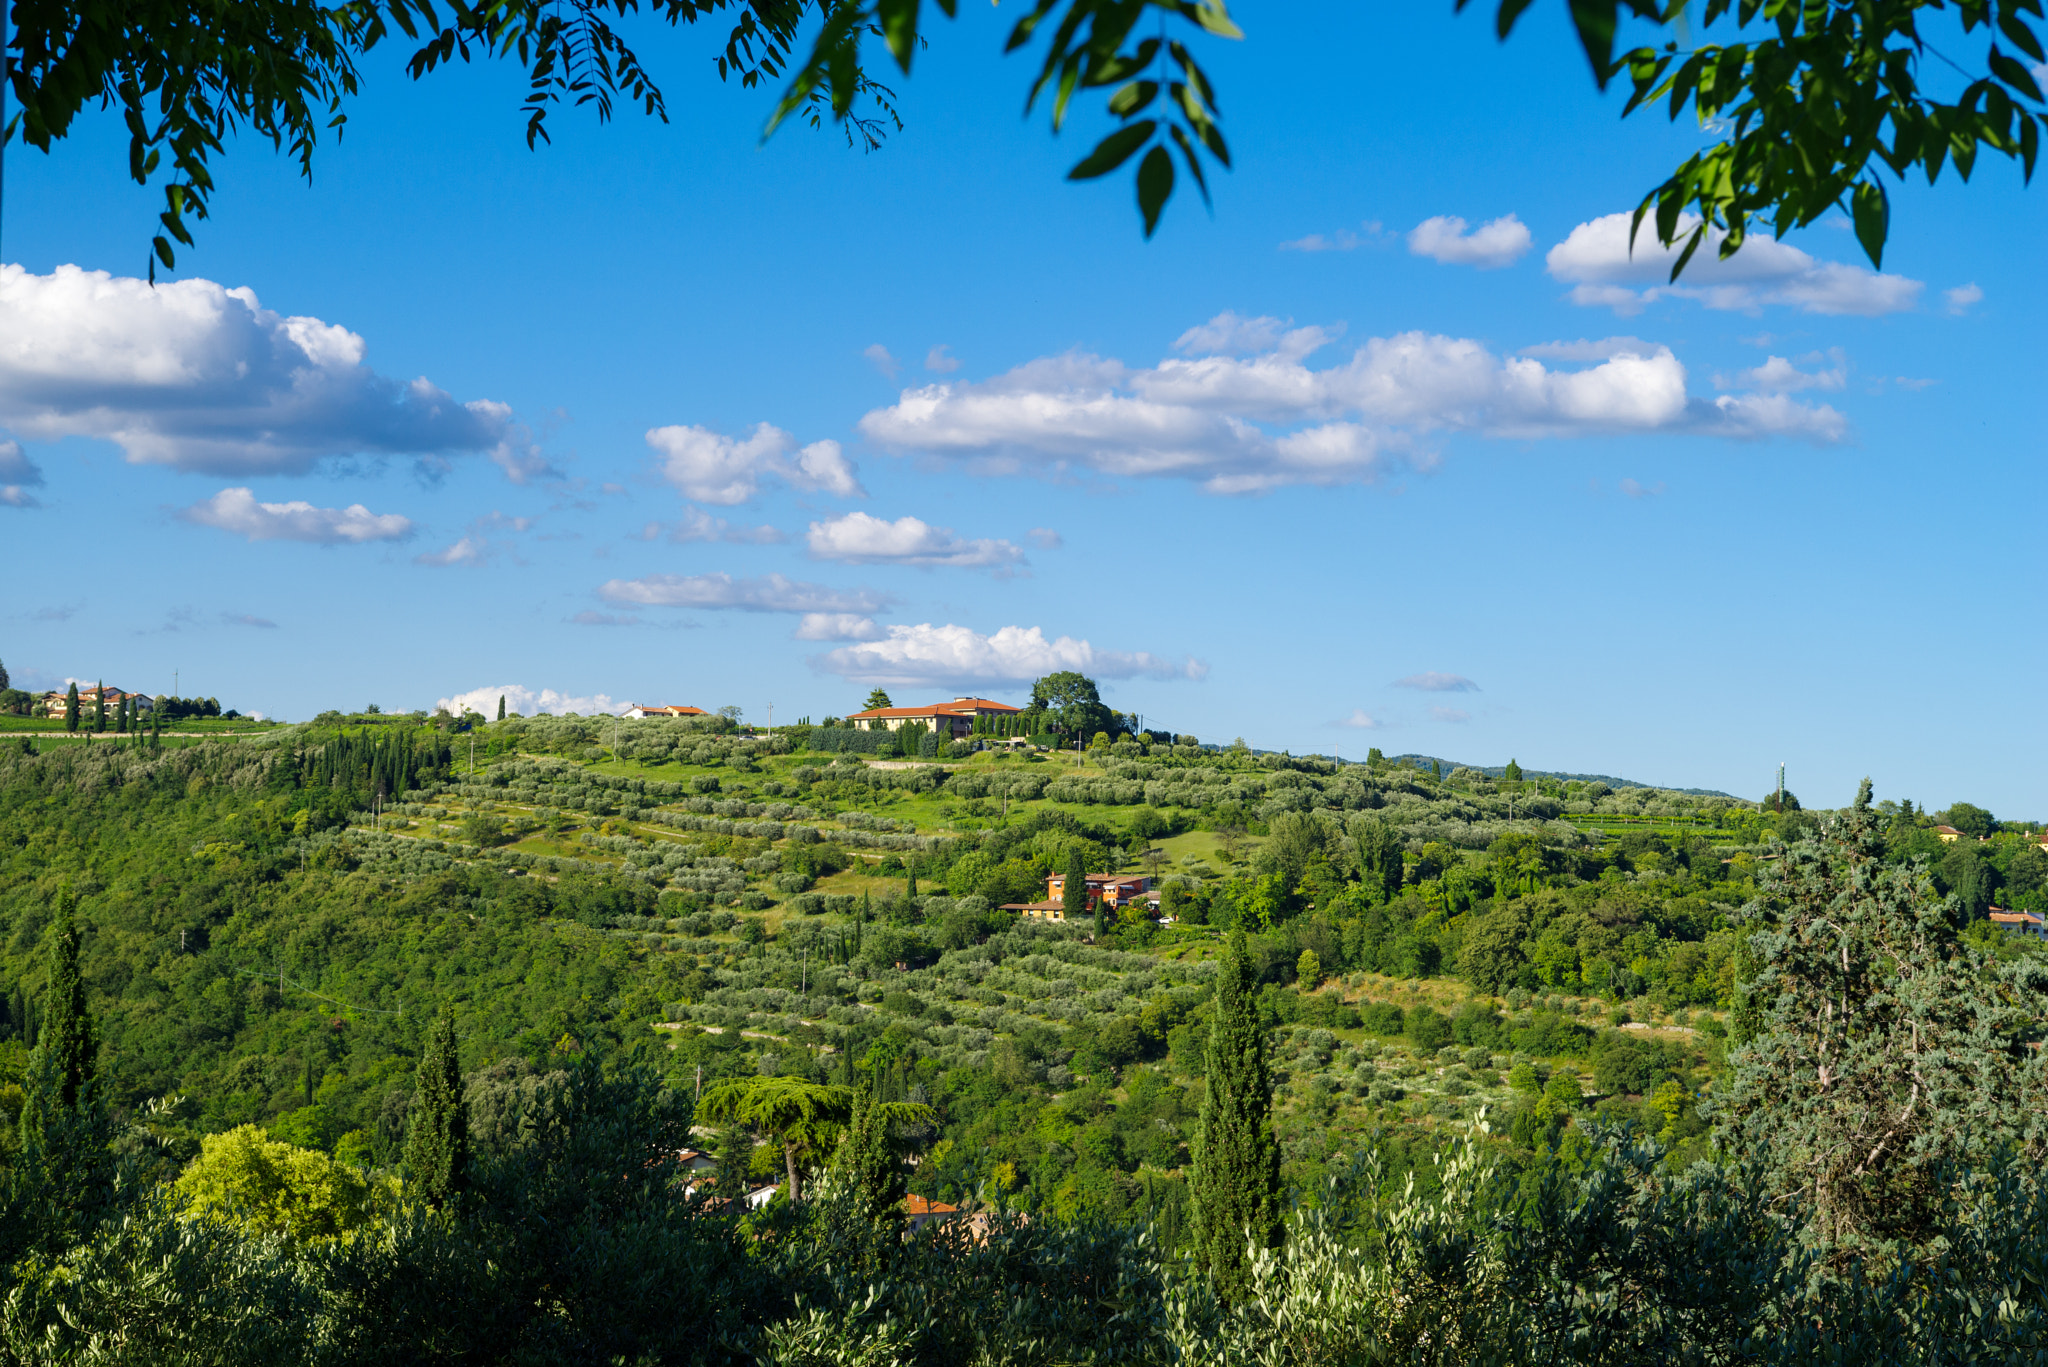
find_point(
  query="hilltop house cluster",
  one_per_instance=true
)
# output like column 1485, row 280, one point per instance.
column 54, row 703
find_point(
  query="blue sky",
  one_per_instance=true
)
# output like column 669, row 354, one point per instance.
column 1323, row 469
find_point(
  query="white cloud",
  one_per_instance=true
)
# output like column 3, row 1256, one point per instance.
column 17, row 472
column 934, row 654
column 1046, row 539
column 1596, row 259
column 1780, row 376
column 1343, row 240
column 1449, row 714
column 1635, row 489
column 1493, row 244
column 878, row 356
column 837, row 626
column 697, row 525
column 202, row 378
column 1604, row 349
column 858, row 539
column 767, row 593
column 526, row 702
column 711, row 467
column 1957, row 301
column 940, row 360
column 1227, row 334
column 237, row 511
column 1249, row 423
column 468, row 550
column 1358, row 721
column 1433, row 682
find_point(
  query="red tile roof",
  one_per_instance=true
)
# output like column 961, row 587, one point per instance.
column 917, row 1205
column 955, row 707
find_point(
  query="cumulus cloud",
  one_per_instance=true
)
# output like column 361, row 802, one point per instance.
column 940, row 360
column 878, row 356
column 199, row 377
column 17, row 472
column 527, row 702
column 935, row 654
column 1244, row 423
column 711, row 467
column 766, row 593
column 837, row 626
column 237, row 511
column 1596, row 260
column 1958, row 301
column 1780, row 376
column 1359, row 720
column 858, row 539
column 1493, row 244
column 1433, row 682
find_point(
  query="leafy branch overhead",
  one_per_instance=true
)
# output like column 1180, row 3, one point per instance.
column 1812, row 100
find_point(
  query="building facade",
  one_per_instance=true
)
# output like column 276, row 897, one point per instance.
column 950, row 719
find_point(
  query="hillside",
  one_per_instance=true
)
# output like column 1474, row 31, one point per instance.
column 271, row 919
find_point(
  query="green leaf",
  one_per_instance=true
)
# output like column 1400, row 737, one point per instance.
column 1113, row 151
column 2014, row 75
column 1155, row 185
column 1510, row 11
column 1595, row 20
column 899, row 28
column 1133, row 98
column 1873, row 215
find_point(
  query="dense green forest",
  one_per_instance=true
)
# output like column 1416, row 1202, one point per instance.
column 1484, row 1005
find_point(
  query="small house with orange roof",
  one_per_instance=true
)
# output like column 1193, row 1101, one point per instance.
column 951, row 719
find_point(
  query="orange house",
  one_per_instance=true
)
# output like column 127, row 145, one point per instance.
column 951, row 719
column 1114, row 889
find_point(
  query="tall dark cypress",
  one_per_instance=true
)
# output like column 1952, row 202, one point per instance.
column 437, row 1146
column 71, row 708
column 67, row 1023
column 99, row 707
column 1236, row 1180
column 1074, row 887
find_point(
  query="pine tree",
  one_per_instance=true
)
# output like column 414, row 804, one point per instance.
column 1074, row 888
column 67, row 1031
column 437, row 1146
column 71, row 708
column 1236, row 1181
column 1880, row 1053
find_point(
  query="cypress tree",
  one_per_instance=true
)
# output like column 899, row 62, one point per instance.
column 99, row 707
column 867, row 1169
column 71, row 708
column 1236, row 1180
column 437, row 1144
column 501, row 707
column 67, row 1022
column 1074, row 887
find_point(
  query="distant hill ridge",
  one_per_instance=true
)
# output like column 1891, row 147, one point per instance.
column 1496, row 770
